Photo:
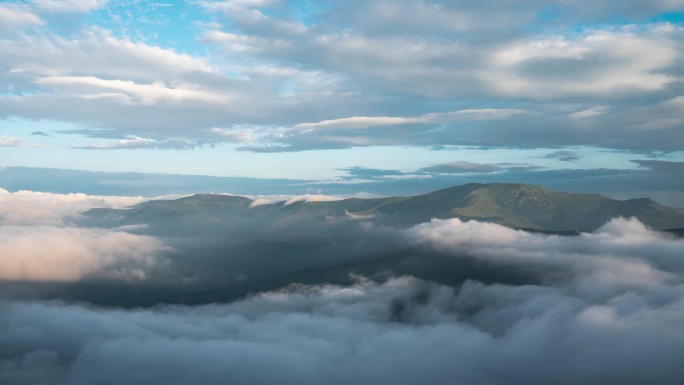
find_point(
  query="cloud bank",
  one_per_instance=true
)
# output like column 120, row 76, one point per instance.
column 59, row 254
column 610, row 312
column 40, row 242
column 621, row 256
column 402, row 332
column 33, row 207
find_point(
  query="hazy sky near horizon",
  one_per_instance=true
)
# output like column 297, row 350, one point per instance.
column 345, row 91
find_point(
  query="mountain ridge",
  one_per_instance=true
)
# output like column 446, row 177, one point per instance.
column 520, row 206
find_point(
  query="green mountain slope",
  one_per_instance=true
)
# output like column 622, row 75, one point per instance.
column 513, row 205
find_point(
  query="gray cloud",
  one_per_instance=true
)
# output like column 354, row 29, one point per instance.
column 17, row 16
column 543, row 128
column 461, row 167
column 563, row 155
column 446, row 58
column 620, row 256
column 360, row 39
column 477, row 168
column 664, row 186
column 365, row 173
column 661, row 165
column 616, row 318
column 117, row 88
column 362, row 74
column 607, row 309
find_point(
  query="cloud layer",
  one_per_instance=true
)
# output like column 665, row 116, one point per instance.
column 620, row 256
column 283, row 76
column 401, row 332
column 63, row 254
column 33, row 207
column 39, row 241
column 610, row 311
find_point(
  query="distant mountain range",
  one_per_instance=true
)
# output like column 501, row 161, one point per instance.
column 224, row 247
column 519, row 206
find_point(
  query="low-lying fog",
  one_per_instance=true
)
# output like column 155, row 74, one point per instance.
column 442, row 302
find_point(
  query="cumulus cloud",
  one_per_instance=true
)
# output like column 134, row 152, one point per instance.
column 499, row 60
column 39, row 241
column 620, row 256
column 108, row 81
column 16, row 16
column 58, row 254
column 539, row 67
column 609, row 67
column 118, row 88
column 359, row 73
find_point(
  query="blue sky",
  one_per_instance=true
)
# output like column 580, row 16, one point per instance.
column 305, row 90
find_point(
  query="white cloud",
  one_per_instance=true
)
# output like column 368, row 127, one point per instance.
column 260, row 200
column 66, row 6
column 588, row 113
column 622, row 255
column 606, row 307
column 32, row 208
column 286, row 200
column 312, row 198
column 50, row 253
column 601, row 62
column 10, row 141
column 39, row 241
column 238, row 135
column 357, row 65
column 132, row 92
column 137, row 142
column 15, row 16
column 246, row 13
column 231, row 41
column 96, row 53
column 359, row 122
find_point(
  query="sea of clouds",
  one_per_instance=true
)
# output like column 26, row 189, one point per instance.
column 609, row 310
